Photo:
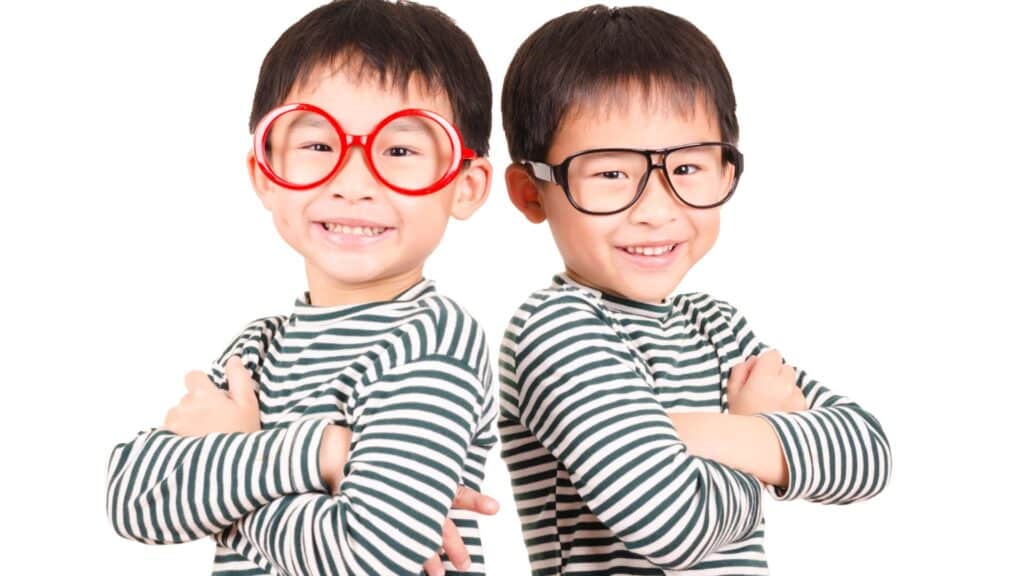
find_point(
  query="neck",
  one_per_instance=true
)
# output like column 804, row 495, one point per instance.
column 572, row 275
column 325, row 291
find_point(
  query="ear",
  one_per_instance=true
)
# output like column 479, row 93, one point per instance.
column 260, row 183
column 523, row 191
column 472, row 188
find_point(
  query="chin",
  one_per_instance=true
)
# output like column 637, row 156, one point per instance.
column 351, row 271
column 650, row 288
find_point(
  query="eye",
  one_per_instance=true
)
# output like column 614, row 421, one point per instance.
column 399, row 152
column 318, row 147
column 611, row 174
column 684, row 169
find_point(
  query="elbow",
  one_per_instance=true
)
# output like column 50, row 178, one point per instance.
column 721, row 508
column 128, row 532
column 880, row 474
column 873, row 478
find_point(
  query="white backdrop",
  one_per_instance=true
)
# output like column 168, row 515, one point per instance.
column 874, row 240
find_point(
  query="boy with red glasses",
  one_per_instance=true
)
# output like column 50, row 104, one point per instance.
column 335, row 438
column 639, row 427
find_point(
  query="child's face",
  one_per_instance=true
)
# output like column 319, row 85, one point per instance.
column 361, row 240
column 601, row 251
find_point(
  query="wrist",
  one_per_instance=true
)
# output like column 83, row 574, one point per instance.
column 775, row 471
column 332, row 445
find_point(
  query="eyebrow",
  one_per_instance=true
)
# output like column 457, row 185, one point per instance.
column 709, row 149
column 311, row 120
column 409, row 125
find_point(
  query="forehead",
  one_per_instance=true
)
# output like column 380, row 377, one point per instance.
column 359, row 99
column 634, row 117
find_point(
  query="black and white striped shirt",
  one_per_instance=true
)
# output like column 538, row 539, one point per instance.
column 601, row 481
column 410, row 377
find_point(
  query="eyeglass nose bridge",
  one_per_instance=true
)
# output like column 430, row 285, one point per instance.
column 360, row 140
column 651, row 167
column 350, row 141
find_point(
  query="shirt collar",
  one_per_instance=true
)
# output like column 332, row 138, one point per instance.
column 312, row 317
column 618, row 303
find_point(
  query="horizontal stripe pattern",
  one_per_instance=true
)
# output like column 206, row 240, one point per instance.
column 836, row 452
column 410, row 377
column 602, row 483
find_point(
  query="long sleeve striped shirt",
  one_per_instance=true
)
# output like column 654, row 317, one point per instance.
column 601, row 481
column 409, row 376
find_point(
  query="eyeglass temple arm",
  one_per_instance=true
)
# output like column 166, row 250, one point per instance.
column 540, row 170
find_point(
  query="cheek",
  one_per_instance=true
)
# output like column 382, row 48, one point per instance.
column 288, row 220
column 706, row 225
column 423, row 220
column 580, row 236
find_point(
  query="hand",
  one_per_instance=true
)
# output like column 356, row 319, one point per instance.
column 764, row 384
column 451, row 542
column 206, row 409
column 334, row 449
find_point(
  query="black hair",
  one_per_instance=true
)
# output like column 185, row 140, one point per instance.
column 602, row 54
column 393, row 42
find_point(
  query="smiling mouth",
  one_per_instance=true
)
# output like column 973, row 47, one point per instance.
column 365, row 231
column 660, row 250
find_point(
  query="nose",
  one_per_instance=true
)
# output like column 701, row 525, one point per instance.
column 657, row 204
column 354, row 181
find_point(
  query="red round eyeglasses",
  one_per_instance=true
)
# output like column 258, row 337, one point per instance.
column 413, row 151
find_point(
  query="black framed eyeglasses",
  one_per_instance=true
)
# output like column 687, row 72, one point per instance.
column 609, row 180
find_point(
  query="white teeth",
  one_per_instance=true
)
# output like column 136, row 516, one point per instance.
column 650, row 250
column 355, row 230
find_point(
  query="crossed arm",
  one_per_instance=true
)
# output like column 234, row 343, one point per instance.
column 676, row 487
column 790, row 431
column 577, row 391
column 166, row 487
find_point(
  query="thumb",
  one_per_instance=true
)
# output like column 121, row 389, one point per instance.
column 240, row 384
column 468, row 499
column 739, row 374
column 197, row 382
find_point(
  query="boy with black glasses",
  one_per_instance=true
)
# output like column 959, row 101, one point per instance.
column 640, row 427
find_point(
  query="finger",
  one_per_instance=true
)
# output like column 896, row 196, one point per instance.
column 797, row 400
column 453, row 545
column 789, row 374
column 434, row 567
column 187, row 400
column 171, row 419
column 240, row 384
column 196, row 382
column 767, row 365
column 468, row 499
column 738, row 375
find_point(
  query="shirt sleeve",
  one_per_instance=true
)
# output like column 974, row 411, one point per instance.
column 163, row 488
column 411, row 432
column 581, row 394
column 836, row 451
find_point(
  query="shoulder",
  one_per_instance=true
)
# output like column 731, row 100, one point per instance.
column 720, row 322
column 255, row 336
column 252, row 344
column 554, row 304
column 703, row 308
column 450, row 333
column 552, row 318
column 445, row 319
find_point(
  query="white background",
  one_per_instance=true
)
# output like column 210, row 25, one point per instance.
column 874, row 239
